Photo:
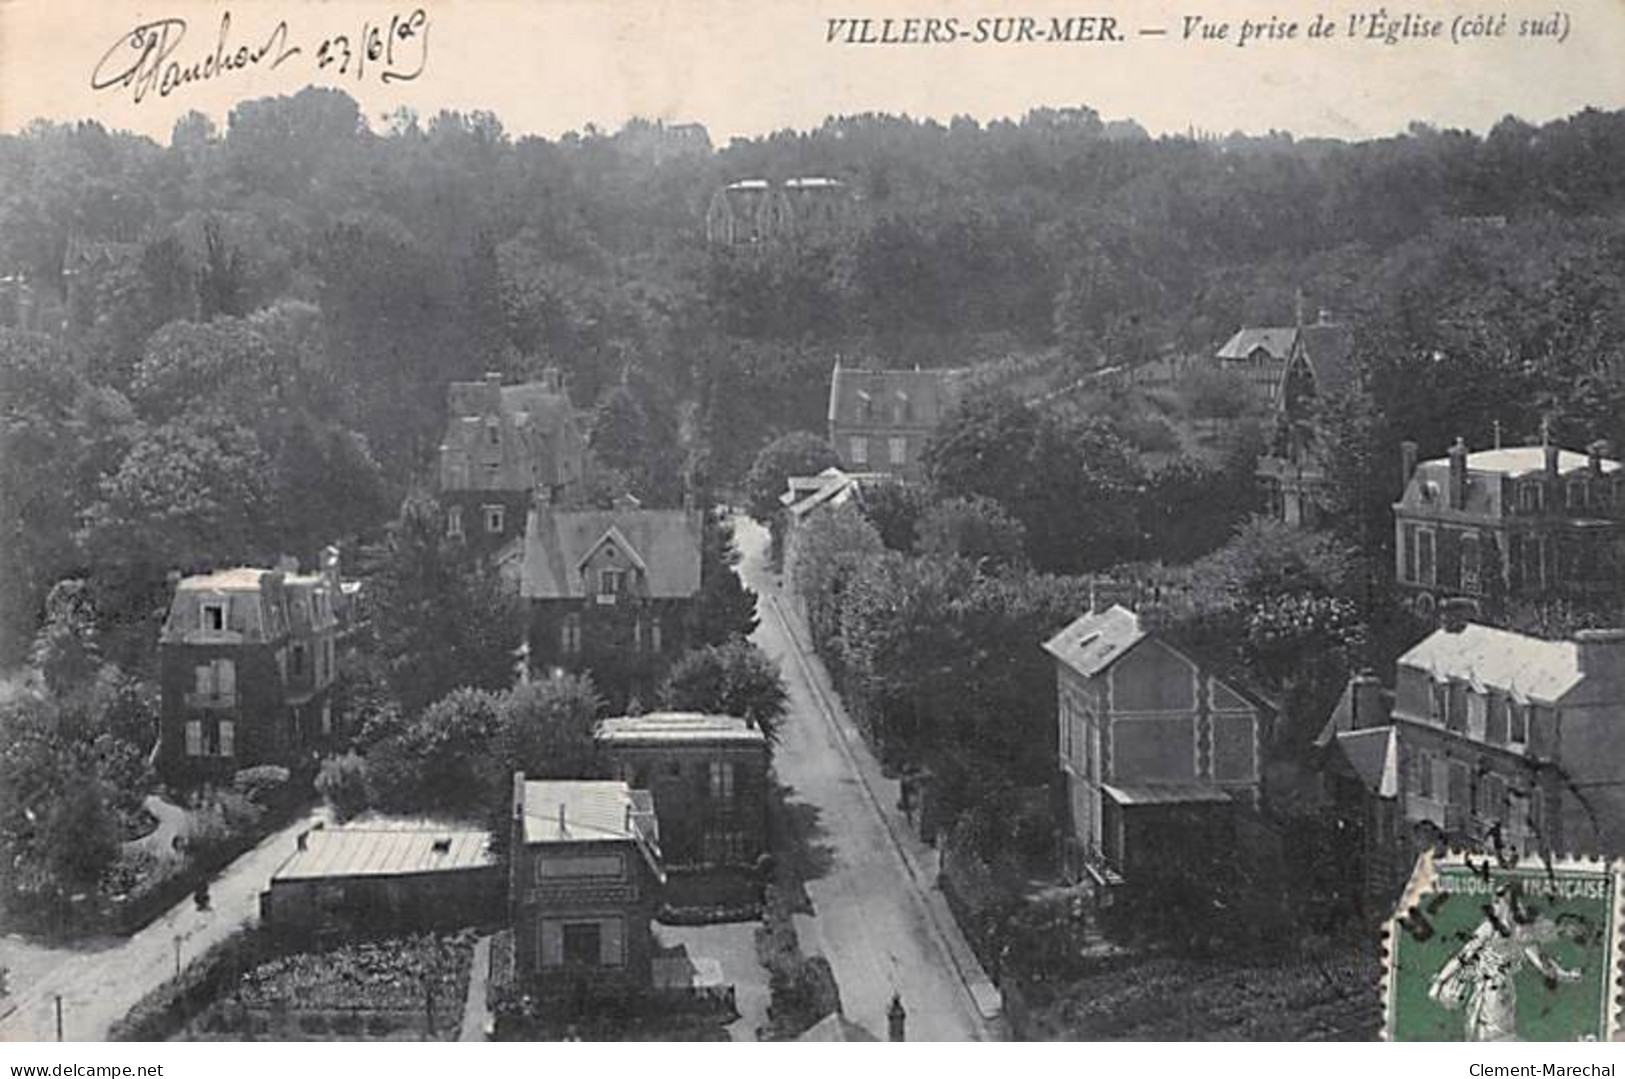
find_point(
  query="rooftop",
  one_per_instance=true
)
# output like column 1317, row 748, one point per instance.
column 914, row 397
column 583, row 811
column 1097, row 640
column 1275, row 340
column 237, row 579
column 1164, row 794
column 1497, row 658
column 664, row 544
column 678, row 727
column 1525, row 460
column 385, row 848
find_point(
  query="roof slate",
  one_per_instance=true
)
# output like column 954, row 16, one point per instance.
column 557, row 542
column 1096, row 640
column 929, row 394
column 1499, row 659
column 1275, row 340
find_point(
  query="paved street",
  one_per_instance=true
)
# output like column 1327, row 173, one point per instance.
column 99, row 985
column 873, row 914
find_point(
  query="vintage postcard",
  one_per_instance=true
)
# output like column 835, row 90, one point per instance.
column 900, row 520
column 1481, row 951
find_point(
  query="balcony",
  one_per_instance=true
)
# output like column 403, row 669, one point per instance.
column 211, row 701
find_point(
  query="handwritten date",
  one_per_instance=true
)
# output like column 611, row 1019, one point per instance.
column 148, row 59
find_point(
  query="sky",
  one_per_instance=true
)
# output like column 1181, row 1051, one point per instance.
column 746, row 67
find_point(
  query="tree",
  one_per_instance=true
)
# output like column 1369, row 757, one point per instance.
column 976, row 529
column 895, row 510
column 66, row 652
column 546, row 732
column 343, row 783
column 732, row 679
column 441, row 619
column 799, row 453
column 444, row 760
column 220, row 278
column 1070, row 482
column 727, row 608
column 80, row 835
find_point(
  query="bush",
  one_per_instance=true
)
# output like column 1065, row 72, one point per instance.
column 164, row 1011
column 342, row 783
column 221, row 818
column 262, row 785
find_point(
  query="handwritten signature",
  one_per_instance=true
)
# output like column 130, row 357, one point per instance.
column 144, row 61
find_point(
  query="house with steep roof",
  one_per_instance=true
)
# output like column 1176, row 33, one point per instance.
column 1155, row 750
column 1294, row 369
column 502, row 445
column 585, row 869
column 1519, row 522
column 247, row 658
column 1495, row 738
column 879, row 421
column 614, row 592
column 709, row 778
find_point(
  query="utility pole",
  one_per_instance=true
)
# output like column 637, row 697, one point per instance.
column 59, row 1017
column 177, row 957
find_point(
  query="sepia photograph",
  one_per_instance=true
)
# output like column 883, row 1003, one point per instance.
column 695, row 521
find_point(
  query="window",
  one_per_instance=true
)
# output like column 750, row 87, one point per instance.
column 327, row 718
column 228, row 738
column 860, row 450
column 495, row 518
column 1578, row 493
column 570, row 635
column 1492, row 797
column 214, row 617
column 454, row 521
column 722, row 781
column 611, row 582
column 1424, row 557
column 1461, row 785
column 1470, row 564
column 655, row 641
column 1529, row 496
column 1408, row 566
column 216, row 682
column 1477, row 715
column 721, row 846
column 1517, row 723
column 897, row 449
column 194, row 738
column 299, row 661
column 637, row 634
column 493, row 433
column 1441, row 702
column 583, row 944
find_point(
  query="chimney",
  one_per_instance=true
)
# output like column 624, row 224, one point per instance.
column 1453, row 614
column 564, row 826
column 1458, row 474
column 303, row 839
column 1323, row 317
column 518, row 795
column 1367, row 701
column 1407, row 462
column 1551, row 455
column 1596, row 453
column 1601, row 654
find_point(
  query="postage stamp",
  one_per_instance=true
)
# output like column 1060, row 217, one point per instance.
column 1481, row 951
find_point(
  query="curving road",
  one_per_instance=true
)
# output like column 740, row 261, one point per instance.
column 98, row 987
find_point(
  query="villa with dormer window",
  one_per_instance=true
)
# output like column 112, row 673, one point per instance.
column 614, row 592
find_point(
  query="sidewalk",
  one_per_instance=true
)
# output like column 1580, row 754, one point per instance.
column 919, row 858
column 476, row 1016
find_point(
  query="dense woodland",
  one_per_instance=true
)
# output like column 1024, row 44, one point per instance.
column 245, row 336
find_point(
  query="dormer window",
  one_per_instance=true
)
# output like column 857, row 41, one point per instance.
column 495, row 518
column 493, row 433
column 214, row 617
column 611, row 582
